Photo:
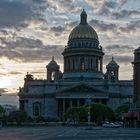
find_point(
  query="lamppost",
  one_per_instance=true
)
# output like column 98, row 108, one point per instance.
column 88, row 102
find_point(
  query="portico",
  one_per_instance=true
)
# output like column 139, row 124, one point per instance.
column 75, row 97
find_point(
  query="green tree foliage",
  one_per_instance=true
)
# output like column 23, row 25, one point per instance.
column 101, row 112
column 2, row 110
column 18, row 117
column 122, row 108
column 76, row 114
column 2, row 114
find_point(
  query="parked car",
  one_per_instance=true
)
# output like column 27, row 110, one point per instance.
column 111, row 125
column 118, row 124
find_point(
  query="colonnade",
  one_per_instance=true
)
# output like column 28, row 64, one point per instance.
column 83, row 63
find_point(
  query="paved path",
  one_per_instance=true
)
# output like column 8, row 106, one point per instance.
column 68, row 133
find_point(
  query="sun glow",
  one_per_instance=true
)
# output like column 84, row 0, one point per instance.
column 6, row 82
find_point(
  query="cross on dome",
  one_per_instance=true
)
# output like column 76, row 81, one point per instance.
column 52, row 58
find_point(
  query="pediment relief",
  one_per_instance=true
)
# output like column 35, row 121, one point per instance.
column 81, row 89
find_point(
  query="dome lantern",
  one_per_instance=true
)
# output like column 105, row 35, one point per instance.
column 83, row 17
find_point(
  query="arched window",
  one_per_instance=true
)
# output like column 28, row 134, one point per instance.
column 112, row 76
column 90, row 44
column 112, row 73
column 37, row 109
column 87, row 44
column 91, row 64
column 68, row 64
column 97, row 65
column 79, row 44
column 73, row 64
column 52, row 75
column 82, row 64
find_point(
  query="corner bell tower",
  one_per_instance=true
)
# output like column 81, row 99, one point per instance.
column 136, row 69
column 112, row 73
column 53, row 72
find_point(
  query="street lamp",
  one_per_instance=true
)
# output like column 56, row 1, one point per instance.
column 88, row 102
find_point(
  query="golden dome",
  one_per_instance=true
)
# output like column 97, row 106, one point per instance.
column 83, row 30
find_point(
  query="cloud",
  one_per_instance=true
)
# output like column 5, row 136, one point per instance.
column 14, row 73
column 115, row 9
column 63, row 6
column 111, row 30
column 121, row 48
column 96, row 4
column 102, row 26
column 120, row 59
column 126, row 14
column 3, row 90
column 14, row 13
column 122, row 53
column 57, row 29
column 30, row 50
column 132, row 27
column 72, row 24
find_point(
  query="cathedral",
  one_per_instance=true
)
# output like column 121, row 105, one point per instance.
column 82, row 78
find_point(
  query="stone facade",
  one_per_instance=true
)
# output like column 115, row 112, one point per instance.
column 82, row 78
column 136, row 64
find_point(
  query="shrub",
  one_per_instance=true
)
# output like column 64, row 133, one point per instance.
column 76, row 114
column 18, row 117
column 101, row 112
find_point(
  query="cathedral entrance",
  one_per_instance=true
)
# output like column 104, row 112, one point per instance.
column 66, row 103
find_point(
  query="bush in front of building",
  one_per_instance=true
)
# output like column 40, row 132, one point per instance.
column 18, row 117
column 98, row 112
column 120, row 110
column 76, row 114
column 101, row 112
column 2, row 111
column 2, row 115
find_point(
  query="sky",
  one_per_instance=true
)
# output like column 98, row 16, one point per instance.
column 32, row 31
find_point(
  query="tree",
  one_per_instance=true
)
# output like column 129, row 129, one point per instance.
column 101, row 112
column 2, row 115
column 76, row 114
column 2, row 110
column 121, row 110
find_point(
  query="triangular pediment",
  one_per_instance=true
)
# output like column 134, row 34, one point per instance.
column 81, row 88
column 82, row 91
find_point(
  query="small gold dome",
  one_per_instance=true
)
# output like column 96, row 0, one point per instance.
column 83, row 30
